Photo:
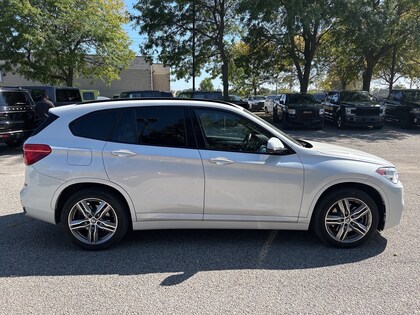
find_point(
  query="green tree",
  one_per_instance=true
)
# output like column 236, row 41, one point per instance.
column 55, row 41
column 206, row 85
column 297, row 26
column 371, row 29
column 186, row 34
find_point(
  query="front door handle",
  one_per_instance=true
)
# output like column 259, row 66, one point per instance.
column 123, row 153
column 221, row 161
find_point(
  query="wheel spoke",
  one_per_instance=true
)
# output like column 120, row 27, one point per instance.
column 360, row 212
column 344, row 206
column 93, row 234
column 103, row 208
column 333, row 219
column 84, row 208
column 78, row 224
column 107, row 226
column 342, row 232
column 359, row 228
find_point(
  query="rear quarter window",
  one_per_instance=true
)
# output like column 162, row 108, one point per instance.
column 96, row 125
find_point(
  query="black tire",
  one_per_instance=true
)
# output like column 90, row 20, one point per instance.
column 404, row 121
column 275, row 114
column 91, row 229
column 335, row 219
column 340, row 121
column 378, row 127
column 13, row 143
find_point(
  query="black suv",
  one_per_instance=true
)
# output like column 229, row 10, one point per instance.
column 403, row 106
column 299, row 109
column 144, row 94
column 213, row 95
column 353, row 108
column 18, row 118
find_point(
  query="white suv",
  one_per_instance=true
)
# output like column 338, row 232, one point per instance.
column 99, row 169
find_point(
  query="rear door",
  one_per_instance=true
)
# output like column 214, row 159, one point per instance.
column 152, row 156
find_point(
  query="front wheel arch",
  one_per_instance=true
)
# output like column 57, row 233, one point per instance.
column 372, row 192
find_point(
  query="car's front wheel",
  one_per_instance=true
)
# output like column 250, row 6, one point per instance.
column 346, row 218
column 94, row 219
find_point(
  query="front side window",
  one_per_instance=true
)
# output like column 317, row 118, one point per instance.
column 224, row 131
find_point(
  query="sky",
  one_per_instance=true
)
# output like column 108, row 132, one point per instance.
column 138, row 39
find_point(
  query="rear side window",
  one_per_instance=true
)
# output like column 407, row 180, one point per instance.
column 161, row 126
column 96, row 125
column 16, row 98
column 156, row 126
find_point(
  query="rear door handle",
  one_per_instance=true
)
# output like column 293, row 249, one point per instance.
column 221, row 161
column 123, row 153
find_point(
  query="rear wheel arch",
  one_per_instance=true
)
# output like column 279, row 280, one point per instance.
column 70, row 190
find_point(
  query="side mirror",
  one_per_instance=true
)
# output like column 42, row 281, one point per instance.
column 274, row 145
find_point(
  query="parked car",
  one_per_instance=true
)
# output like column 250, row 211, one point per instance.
column 18, row 118
column 256, row 103
column 270, row 102
column 89, row 95
column 299, row 109
column 102, row 168
column 144, row 94
column 213, row 95
column 235, row 99
column 353, row 108
column 59, row 95
column 320, row 97
column 403, row 106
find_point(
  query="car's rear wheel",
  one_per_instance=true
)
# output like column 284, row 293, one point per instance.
column 346, row 218
column 13, row 143
column 340, row 122
column 275, row 114
column 94, row 219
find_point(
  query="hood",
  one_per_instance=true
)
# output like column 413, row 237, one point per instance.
column 360, row 104
column 348, row 154
column 415, row 103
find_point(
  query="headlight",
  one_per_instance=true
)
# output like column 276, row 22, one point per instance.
column 291, row 111
column 350, row 111
column 415, row 110
column 321, row 111
column 382, row 110
column 389, row 173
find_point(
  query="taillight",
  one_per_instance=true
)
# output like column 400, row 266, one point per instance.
column 32, row 153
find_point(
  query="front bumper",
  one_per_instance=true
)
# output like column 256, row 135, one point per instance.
column 365, row 120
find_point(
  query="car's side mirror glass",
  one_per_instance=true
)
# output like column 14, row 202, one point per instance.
column 274, row 145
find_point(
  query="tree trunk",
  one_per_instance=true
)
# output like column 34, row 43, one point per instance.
column 367, row 74
column 393, row 66
column 70, row 77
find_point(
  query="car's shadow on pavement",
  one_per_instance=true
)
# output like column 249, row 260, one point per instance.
column 32, row 248
column 6, row 151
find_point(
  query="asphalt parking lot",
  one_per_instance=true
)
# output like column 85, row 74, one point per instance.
column 216, row 272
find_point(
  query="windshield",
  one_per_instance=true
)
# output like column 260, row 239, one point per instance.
column 301, row 99
column 355, row 96
column 413, row 95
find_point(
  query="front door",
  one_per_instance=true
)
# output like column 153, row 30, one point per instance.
column 242, row 181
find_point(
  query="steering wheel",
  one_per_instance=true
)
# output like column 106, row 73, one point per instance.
column 250, row 143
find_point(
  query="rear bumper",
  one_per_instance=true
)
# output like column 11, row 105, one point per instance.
column 36, row 195
column 15, row 135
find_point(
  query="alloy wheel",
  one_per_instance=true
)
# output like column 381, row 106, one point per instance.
column 92, row 221
column 348, row 220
